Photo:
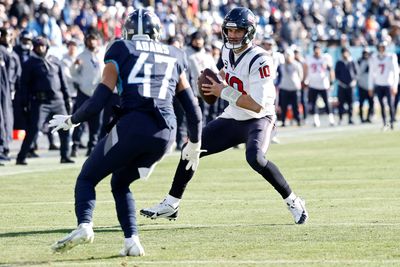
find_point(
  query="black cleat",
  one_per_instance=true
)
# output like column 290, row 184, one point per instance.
column 66, row 160
column 21, row 162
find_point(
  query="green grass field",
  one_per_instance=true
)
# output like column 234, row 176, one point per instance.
column 230, row 216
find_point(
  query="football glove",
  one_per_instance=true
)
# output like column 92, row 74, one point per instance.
column 61, row 122
column 191, row 152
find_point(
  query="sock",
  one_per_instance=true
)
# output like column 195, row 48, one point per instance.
column 272, row 174
column 131, row 240
column 84, row 225
column 290, row 198
column 173, row 201
column 316, row 120
column 331, row 118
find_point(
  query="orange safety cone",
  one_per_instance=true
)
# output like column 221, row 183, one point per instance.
column 289, row 113
column 18, row 134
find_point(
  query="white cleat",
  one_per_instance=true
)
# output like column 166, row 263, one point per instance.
column 82, row 235
column 162, row 210
column 275, row 140
column 298, row 210
column 133, row 248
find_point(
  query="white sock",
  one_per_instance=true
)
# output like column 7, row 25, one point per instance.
column 331, row 118
column 173, row 201
column 316, row 120
column 290, row 198
column 131, row 240
column 86, row 225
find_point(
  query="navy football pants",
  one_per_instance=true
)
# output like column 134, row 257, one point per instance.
column 39, row 113
column 312, row 98
column 132, row 147
column 222, row 134
column 384, row 92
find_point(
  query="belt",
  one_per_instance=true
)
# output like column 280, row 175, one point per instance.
column 41, row 96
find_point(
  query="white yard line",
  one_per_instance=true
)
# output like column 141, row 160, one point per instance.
column 171, row 225
column 7, row 204
column 230, row 262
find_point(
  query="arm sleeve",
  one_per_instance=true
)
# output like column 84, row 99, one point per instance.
column 193, row 114
column 93, row 105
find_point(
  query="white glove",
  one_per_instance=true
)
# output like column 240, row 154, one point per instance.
column 61, row 122
column 191, row 152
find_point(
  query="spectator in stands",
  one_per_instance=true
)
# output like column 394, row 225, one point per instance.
column 4, row 98
column 303, row 93
column 89, row 67
column 14, row 75
column 68, row 65
column 290, row 77
column 362, row 82
column 345, row 73
column 198, row 60
column 44, row 93
column 46, row 25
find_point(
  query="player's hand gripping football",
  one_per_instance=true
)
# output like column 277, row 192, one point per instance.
column 61, row 122
column 191, row 152
column 214, row 88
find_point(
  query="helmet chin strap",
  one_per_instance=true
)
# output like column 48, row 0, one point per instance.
column 236, row 48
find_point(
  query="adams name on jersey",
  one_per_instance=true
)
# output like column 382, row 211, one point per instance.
column 148, row 72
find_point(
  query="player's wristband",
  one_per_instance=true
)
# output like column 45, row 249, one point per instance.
column 230, row 94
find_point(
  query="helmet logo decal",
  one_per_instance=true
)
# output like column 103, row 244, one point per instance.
column 140, row 22
column 231, row 24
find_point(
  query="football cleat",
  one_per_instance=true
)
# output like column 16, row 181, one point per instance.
column 133, row 248
column 162, row 210
column 298, row 210
column 82, row 235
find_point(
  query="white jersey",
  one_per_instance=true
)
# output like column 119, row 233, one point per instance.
column 252, row 73
column 278, row 58
column 318, row 74
column 383, row 70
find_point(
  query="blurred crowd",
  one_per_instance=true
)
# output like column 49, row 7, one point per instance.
column 360, row 22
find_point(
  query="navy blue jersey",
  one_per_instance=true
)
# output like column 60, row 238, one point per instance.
column 148, row 73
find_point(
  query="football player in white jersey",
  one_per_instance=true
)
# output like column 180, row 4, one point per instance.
column 249, row 118
column 383, row 79
column 319, row 76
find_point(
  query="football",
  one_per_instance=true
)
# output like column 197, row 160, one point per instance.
column 209, row 99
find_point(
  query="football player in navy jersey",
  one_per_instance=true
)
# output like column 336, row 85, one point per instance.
column 147, row 74
column 249, row 118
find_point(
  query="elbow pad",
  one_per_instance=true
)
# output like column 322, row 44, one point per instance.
column 93, row 105
column 193, row 114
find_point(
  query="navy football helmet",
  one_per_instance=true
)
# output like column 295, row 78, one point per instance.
column 142, row 22
column 239, row 18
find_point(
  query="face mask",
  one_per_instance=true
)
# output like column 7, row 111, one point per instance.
column 196, row 48
column 26, row 46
